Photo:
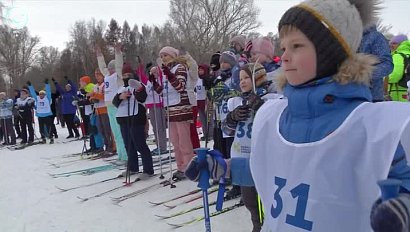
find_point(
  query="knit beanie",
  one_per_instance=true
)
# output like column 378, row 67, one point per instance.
column 335, row 27
column 228, row 57
column 24, row 90
column 398, row 39
column 240, row 39
column 170, row 51
column 264, row 46
column 85, row 79
column 260, row 72
column 214, row 64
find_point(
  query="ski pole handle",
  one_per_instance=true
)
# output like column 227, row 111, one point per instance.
column 389, row 188
column 204, row 173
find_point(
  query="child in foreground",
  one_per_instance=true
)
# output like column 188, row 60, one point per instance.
column 317, row 155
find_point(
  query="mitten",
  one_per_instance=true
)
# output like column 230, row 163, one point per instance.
column 46, row 81
column 391, row 215
column 240, row 113
column 28, row 83
column 168, row 73
column 254, row 101
column 53, row 80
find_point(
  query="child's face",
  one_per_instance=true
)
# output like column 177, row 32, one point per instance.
column 98, row 75
column 165, row 58
column 245, row 82
column 201, row 72
column 299, row 57
column 225, row 66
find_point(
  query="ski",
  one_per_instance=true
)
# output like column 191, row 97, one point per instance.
column 87, row 185
column 92, row 157
column 196, row 197
column 83, row 171
column 175, row 198
column 21, row 147
column 108, row 191
column 200, row 218
column 125, row 197
column 72, row 140
column 185, row 211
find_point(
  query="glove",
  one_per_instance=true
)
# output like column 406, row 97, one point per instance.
column 28, row 83
column 254, row 101
column 194, row 168
column 168, row 73
column 46, row 81
column 82, row 91
column 152, row 78
column 66, row 78
column 75, row 103
column 240, row 113
column 52, row 79
column 391, row 215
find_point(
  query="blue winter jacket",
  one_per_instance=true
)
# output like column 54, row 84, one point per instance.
column 308, row 118
column 34, row 95
column 67, row 98
column 373, row 42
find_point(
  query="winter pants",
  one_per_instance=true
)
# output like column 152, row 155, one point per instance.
column 86, row 124
column 53, row 128
column 222, row 144
column 250, row 199
column 157, row 119
column 44, row 124
column 122, row 153
column 194, row 132
column 96, row 140
column 134, row 139
column 69, row 120
column 8, row 130
column 17, row 126
column 27, row 125
column 179, row 133
column 104, row 128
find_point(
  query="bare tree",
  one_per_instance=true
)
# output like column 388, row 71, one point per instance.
column 17, row 52
column 203, row 24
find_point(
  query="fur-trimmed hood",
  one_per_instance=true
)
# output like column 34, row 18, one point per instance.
column 357, row 69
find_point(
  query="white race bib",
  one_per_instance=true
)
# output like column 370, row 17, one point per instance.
column 331, row 184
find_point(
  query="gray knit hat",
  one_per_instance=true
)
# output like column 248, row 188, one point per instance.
column 335, row 27
column 228, row 57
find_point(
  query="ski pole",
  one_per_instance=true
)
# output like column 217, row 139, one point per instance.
column 171, row 184
column 128, row 172
column 389, row 188
column 203, row 184
column 156, row 130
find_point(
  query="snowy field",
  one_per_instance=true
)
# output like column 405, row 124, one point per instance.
column 30, row 201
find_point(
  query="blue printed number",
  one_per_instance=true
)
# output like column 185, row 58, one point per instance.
column 198, row 87
column 242, row 131
column 107, row 84
column 301, row 192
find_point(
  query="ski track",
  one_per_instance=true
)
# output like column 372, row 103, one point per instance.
column 30, row 202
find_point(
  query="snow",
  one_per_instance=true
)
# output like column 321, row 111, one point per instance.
column 30, row 201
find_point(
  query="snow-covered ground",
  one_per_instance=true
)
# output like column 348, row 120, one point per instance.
column 30, row 201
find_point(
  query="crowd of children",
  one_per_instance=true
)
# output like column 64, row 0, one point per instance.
column 304, row 143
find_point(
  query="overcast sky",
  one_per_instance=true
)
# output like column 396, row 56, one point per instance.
column 51, row 20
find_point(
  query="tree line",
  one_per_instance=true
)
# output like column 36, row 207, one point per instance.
column 200, row 27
